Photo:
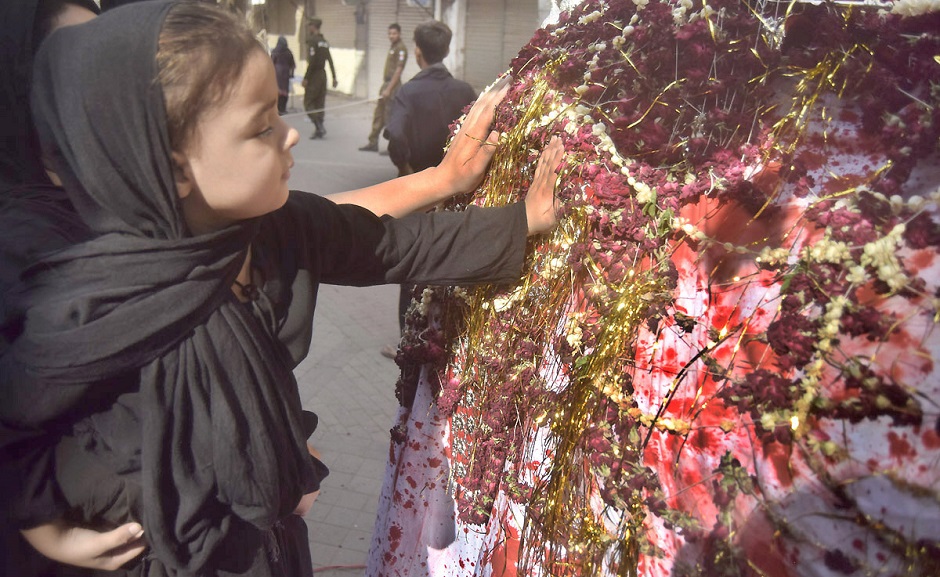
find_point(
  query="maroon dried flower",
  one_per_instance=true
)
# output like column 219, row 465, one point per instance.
column 922, row 232
column 793, row 338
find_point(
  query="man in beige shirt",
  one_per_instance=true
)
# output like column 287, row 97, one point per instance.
column 394, row 65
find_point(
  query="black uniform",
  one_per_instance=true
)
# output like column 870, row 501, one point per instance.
column 318, row 54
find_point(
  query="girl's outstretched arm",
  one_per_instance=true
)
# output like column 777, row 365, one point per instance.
column 461, row 170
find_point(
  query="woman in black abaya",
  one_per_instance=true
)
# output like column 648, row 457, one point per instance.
column 37, row 218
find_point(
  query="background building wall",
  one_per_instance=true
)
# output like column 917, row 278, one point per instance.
column 487, row 35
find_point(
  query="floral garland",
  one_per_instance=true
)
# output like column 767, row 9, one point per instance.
column 744, row 283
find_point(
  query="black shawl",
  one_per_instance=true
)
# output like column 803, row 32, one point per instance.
column 222, row 438
column 35, row 217
column 20, row 161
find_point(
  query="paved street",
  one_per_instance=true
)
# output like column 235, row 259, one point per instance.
column 344, row 379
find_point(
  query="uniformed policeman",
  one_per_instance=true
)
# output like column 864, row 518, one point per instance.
column 318, row 54
column 391, row 80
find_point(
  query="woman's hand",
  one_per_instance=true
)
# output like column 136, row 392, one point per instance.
column 82, row 547
column 540, row 203
column 473, row 146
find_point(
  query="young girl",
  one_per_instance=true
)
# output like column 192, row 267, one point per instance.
column 152, row 380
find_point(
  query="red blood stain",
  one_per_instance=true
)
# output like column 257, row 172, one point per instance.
column 813, row 159
column 931, row 439
column 434, row 462
column 394, row 539
column 411, row 482
column 900, row 447
column 779, row 457
column 702, row 438
column 920, row 260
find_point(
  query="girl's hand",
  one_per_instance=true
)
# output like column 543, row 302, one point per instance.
column 540, row 203
column 306, row 502
column 473, row 146
column 82, row 547
column 460, row 171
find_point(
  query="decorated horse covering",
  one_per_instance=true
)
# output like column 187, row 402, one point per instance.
column 723, row 361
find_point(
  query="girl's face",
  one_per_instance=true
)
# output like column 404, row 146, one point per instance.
column 239, row 158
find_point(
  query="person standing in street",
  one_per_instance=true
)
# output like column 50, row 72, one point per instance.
column 318, row 54
column 283, row 71
column 391, row 80
column 421, row 112
column 419, row 119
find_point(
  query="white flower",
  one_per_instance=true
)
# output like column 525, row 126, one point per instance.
column 574, row 338
column 768, row 421
column 460, row 293
column 827, row 250
column 706, row 12
column 644, row 194
column 588, row 18
column 857, row 275
column 678, row 16
column 880, row 255
column 774, row 256
column 915, row 7
column 897, row 203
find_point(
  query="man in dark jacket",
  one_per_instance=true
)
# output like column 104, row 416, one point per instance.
column 424, row 108
column 421, row 115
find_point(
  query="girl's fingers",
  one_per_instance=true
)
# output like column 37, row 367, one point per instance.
column 481, row 114
column 118, row 546
column 493, row 138
column 548, row 162
column 124, row 554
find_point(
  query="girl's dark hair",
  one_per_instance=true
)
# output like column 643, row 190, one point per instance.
column 201, row 53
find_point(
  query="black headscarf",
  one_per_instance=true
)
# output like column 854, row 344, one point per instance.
column 20, row 161
column 222, row 428
column 36, row 217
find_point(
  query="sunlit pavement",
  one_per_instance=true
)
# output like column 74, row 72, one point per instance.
column 345, row 380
